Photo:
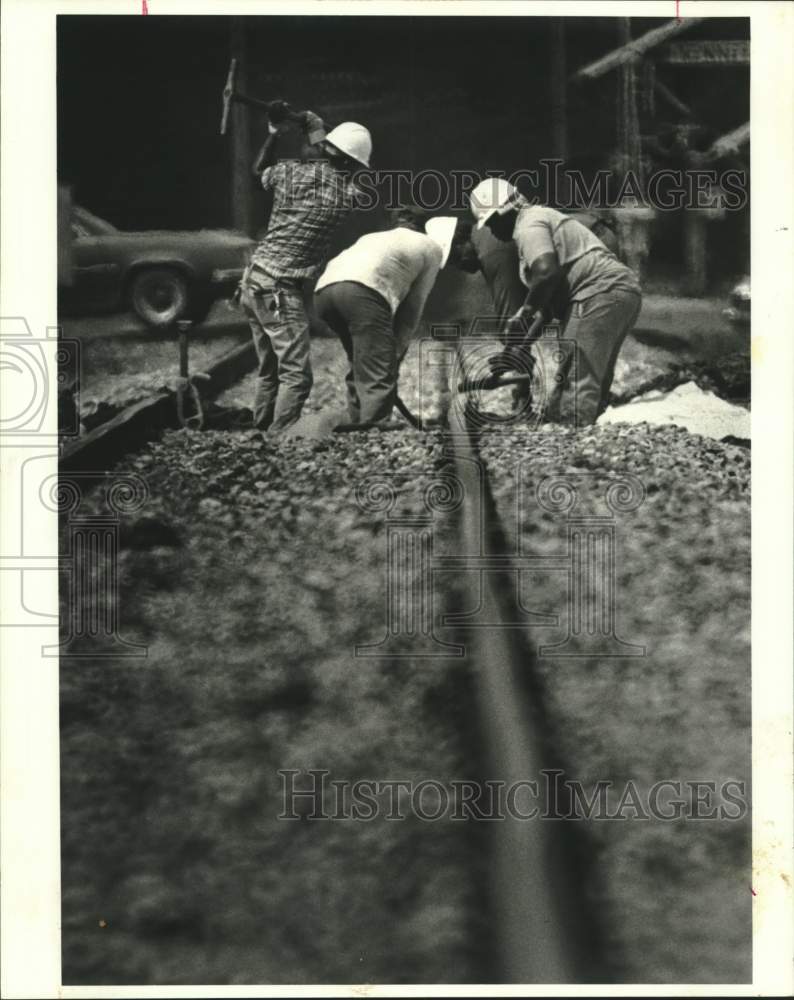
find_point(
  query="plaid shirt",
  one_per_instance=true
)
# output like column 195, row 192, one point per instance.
column 310, row 200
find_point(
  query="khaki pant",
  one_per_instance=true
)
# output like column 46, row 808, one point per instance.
column 362, row 320
column 280, row 329
column 595, row 330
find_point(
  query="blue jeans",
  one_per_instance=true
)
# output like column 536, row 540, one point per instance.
column 280, row 329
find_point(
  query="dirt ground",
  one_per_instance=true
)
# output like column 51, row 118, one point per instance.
column 252, row 574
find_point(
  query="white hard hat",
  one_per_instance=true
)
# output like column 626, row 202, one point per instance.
column 492, row 195
column 353, row 140
column 441, row 230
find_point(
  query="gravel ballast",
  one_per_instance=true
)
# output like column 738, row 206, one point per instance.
column 252, row 573
column 675, row 895
column 253, row 578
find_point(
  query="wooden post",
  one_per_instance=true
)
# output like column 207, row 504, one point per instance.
column 558, row 106
column 630, row 48
column 558, row 86
column 695, row 225
column 241, row 187
column 65, row 258
column 628, row 121
column 633, row 218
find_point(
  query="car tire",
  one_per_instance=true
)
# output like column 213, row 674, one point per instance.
column 159, row 295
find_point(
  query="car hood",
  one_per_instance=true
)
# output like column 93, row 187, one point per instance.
column 224, row 237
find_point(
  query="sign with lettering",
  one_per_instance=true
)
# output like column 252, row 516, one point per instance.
column 721, row 53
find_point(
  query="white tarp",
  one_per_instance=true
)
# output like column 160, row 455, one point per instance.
column 688, row 406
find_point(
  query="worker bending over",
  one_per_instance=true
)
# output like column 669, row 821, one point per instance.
column 561, row 260
column 497, row 261
column 310, row 198
column 372, row 296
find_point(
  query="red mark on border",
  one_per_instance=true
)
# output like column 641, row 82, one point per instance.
column 752, row 890
column 145, row 9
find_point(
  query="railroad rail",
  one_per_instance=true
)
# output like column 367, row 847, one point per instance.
column 544, row 934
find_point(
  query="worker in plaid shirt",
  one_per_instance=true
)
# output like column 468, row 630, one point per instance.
column 310, row 199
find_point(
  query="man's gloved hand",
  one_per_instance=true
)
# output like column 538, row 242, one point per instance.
column 513, row 357
column 313, row 126
column 520, row 322
column 278, row 111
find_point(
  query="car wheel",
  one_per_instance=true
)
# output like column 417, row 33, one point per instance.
column 159, row 295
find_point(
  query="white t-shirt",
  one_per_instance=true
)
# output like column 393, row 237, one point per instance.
column 389, row 262
column 399, row 264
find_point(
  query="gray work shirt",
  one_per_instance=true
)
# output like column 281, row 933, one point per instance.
column 589, row 268
column 499, row 264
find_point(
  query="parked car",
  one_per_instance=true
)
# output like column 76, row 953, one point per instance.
column 161, row 275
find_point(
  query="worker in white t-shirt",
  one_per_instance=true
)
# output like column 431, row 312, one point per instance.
column 372, row 296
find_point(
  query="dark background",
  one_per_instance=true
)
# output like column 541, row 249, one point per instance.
column 139, row 101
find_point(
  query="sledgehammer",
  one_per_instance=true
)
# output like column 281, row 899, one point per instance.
column 230, row 94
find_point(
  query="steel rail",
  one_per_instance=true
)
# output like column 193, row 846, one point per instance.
column 542, row 931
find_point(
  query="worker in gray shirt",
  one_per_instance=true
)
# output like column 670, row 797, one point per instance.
column 559, row 258
column 498, row 262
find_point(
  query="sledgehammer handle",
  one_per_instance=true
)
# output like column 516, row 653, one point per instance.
column 414, row 421
column 230, row 94
column 535, row 329
column 228, row 90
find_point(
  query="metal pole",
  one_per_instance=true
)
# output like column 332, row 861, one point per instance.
column 183, row 328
